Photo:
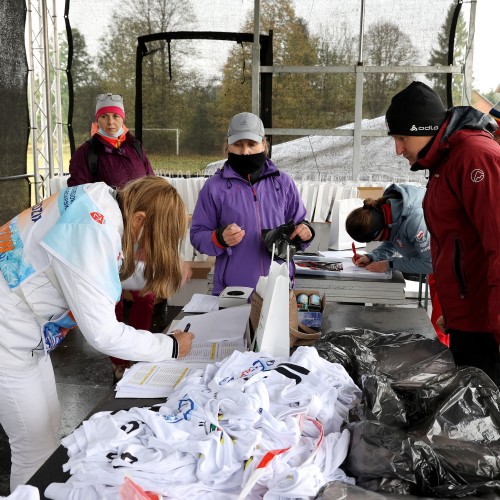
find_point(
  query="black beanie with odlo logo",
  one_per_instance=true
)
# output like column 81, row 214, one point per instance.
column 416, row 110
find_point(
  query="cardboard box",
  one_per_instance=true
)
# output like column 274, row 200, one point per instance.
column 374, row 192
column 200, row 269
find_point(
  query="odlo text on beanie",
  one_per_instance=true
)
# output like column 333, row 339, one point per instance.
column 416, row 110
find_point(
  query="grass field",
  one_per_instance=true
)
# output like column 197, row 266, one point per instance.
column 191, row 164
column 178, row 165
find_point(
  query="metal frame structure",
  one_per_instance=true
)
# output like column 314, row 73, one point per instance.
column 359, row 69
column 44, row 89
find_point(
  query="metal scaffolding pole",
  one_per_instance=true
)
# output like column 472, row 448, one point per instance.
column 44, row 94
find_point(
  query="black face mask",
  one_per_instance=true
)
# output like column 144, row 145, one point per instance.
column 247, row 164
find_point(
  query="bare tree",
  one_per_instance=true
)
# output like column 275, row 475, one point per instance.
column 386, row 45
column 162, row 95
column 293, row 94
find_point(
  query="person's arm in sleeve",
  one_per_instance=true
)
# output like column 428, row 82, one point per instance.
column 419, row 239
column 79, row 171
column 205, row 233
column 384, row 251
column 96, row 319
column 296, row 210
column 481, row 204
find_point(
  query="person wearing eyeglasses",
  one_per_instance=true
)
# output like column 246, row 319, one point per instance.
column 396, row 220
column 114, row 156
column 62, row 263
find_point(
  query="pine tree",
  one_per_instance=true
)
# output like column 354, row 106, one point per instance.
column 439, row 55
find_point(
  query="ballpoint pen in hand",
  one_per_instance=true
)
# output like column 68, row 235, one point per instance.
column 354, row 251
column 187, row 327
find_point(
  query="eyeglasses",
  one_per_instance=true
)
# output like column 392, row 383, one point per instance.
column 112, row 97
column 376, row 234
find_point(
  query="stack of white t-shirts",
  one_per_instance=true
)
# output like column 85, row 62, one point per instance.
column 251, row 425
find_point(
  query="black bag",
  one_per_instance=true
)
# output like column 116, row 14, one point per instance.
column 280, row 237
column 424, row 427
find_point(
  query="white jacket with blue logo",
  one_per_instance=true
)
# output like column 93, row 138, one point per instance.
column 59, row 266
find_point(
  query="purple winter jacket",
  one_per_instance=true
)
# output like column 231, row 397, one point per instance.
column 227, row 198
column 115, row 167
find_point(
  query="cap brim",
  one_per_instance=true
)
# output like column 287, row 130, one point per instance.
column 244, row 135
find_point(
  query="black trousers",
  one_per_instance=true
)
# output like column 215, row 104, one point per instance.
column 479, row 349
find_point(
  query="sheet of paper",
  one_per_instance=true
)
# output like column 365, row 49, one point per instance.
column 216, row 326
column 337, row 254
column 153, row 380
column 201, row 302
column 349, row 270
column 214, row 351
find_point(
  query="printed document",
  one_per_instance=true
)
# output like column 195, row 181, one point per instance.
column 201, row 302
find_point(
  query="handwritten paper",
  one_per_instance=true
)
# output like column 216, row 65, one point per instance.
column 201, row 302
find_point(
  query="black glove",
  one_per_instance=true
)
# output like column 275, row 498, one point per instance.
column 280, row 237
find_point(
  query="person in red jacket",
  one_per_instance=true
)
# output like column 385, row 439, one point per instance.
column 495, row 114
column 114, row 156
column 462, row 214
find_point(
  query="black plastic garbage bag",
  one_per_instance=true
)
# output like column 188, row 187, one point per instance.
column 393, row 489
column 337, row 490
column 382, row 403
column 390, row 368
column 436, row 467
column 280, row 237
column 423, row 427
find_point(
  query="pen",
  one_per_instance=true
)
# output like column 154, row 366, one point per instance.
column 187, row 327
column 354, row 251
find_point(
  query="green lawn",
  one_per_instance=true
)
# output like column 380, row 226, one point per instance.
column 181, row 164
column 176, row 164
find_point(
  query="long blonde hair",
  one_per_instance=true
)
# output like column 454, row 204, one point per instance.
column 164, row 228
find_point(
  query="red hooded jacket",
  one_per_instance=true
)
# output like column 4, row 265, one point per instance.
column 462, row 213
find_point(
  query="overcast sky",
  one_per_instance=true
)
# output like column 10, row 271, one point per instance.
column 95, row 15
column 486, row 52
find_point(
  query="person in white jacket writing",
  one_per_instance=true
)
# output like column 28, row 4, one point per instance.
column 61, row 265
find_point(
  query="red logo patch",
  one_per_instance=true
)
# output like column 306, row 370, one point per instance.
column 420, row 236
column 97, row 217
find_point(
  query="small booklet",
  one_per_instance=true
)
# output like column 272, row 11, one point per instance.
column 153, row 380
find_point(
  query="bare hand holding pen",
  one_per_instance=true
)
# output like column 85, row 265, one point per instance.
column 233, row 234
column 184, row 340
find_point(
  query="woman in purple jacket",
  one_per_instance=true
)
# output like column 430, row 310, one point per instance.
column 248, row 195
column 114, row 156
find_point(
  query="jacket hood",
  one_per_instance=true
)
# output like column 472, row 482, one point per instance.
column 465, row 117
column 410, row 201
column 460, row 118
